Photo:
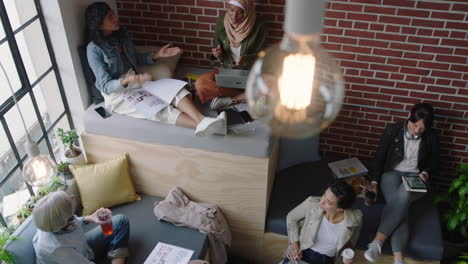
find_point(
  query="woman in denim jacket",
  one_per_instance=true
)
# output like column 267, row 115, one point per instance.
column 113, row 60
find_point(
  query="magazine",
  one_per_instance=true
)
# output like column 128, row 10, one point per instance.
column 413, row 183
column 347, row 168
column 169, row 254
column 153, row 96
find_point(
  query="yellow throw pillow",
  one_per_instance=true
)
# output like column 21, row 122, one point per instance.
column 104, row 184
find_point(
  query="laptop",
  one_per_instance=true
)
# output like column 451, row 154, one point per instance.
column 232, row 78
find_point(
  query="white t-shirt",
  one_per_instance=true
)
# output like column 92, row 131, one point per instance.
column 327, row 237
column 410, row 158
column 235, row 51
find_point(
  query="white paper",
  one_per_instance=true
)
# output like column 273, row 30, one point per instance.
column 145, row 103
column 168, row 254
column 347, row 168
column 166, row 89
column 153, row 96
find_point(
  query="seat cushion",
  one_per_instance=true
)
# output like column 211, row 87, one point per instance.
column 249, row 140
column 293, row 185
column 146, row 231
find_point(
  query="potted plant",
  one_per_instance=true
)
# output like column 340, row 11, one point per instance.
column 64, row 170
column 454, row 208
column 5, row 255
column 72, row 153
column 23, row 213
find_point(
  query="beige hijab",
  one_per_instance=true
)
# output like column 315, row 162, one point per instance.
column 237, row 33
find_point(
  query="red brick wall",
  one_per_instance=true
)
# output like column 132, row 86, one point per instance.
column 393, row 54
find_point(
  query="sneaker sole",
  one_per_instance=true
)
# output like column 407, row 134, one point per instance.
column 212, row 128
column 373, row 260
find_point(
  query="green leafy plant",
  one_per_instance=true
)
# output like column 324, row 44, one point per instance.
column 63, row 167
column 455, row 206
column 68, row 138
column 23, row 213
column 5, row 255
column 463, row 259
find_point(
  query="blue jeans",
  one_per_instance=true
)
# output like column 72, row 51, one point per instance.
column 313, row 257
column 394, row 219
column 115, row 245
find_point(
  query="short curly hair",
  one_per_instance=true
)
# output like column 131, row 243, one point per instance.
column 344, row 193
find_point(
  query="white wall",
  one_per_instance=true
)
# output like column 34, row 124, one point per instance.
column 65, row 22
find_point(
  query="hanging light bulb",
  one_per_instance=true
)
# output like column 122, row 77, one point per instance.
column 295, row 86
column 39, row 169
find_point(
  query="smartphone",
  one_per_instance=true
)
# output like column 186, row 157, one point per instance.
column 102, row 112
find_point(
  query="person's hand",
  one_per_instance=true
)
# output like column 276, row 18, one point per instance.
column 134, row 78
column 217, row 52
column 167, row 51
column 348, row 261
column 296, row 253
column 94, row 217
column 423, row 176
column 241, row 61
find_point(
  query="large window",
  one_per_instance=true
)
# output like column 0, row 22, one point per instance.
column 27, row 56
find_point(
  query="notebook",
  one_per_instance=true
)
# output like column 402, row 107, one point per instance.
column 232, row 78
column 347, row 168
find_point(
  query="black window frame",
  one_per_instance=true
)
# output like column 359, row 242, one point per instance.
column 27, row 89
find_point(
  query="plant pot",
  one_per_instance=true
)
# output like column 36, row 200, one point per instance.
column 78, row 160
column 453, row 249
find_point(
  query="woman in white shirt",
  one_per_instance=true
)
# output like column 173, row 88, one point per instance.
column 320, row 228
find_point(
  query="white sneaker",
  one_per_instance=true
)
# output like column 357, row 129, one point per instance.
column 210, row 125
column 373, row 251
column 220, row 103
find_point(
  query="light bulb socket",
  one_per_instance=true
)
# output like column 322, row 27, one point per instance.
column 304, row 17
column 31, row 147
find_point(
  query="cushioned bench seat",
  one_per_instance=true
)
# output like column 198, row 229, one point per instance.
column 249, row 140
column 145, row 232
column 295, row 184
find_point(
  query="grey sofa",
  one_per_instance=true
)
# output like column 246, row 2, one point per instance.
column 145, row 232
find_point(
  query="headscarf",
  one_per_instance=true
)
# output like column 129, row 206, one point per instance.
column 237, row 33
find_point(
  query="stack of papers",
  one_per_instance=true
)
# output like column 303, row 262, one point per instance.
column 347, row 168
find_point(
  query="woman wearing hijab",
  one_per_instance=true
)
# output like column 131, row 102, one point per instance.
column 113, row 60
column 239, row 36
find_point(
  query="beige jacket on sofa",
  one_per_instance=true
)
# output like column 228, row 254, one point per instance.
column 304, row 220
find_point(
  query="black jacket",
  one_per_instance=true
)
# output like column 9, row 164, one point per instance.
column 391, row 148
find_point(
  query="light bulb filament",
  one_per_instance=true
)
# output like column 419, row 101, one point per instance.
column 296, row 82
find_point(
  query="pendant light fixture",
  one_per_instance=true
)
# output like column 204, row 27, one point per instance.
column 38, row 169
column 295, row 86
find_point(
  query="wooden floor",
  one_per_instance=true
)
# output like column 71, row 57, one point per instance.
column 275, row 245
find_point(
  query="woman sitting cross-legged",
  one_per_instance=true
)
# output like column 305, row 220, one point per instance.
column 320, row 228
column 111, row 55
column 239, row 36
column 60, row 237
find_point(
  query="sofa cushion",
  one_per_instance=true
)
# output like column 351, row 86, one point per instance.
column 249, row 140
column 145, row 232
column 293, row 185
column 104, row 184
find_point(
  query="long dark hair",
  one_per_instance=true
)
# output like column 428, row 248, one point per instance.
column 94, row 16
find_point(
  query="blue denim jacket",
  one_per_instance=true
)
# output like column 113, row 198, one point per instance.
column 106, row 63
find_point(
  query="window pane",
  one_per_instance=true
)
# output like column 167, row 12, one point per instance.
column 34, row 53
column 13, row 194
column 16, row 126
column 20, row 11
column 9, row 65
column 49, row 99
column 7, row 157
column 2, row 32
